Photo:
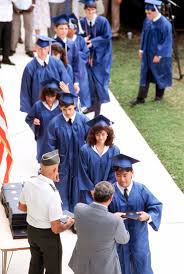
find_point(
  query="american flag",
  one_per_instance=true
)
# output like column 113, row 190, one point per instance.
column 5, row 150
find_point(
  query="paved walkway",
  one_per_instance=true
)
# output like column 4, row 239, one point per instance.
column 167, row 244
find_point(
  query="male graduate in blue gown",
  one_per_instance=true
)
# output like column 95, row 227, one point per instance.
column 60, row 23
column 155, row 53
column 67, row 132
column 140, row 208
column 98, row 37
column 83, row 51
column 42, row 67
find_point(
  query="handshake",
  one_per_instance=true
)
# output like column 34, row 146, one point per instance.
column 66, row 216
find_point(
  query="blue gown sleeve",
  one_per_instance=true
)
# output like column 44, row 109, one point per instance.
column 164, row 46
column 153, row 207
column 84, row 51
column 65, row 77
column 51, row 137
column 112, row 207
column 75, row 64
column 83, row 180
column 33, row 113
column 26, row 91
column 104, row 39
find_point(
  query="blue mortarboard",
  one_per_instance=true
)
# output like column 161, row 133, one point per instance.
column 99, row 120
column 68, row 98
column 88, row 2
column 43, row 41
column 123, row 161
column 51, row 83
column 61, row 19
column 50, row 158
column 150, row 4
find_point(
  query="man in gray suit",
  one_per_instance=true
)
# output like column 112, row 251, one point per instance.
column 98, row 232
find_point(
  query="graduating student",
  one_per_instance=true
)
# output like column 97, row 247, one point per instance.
column 155, row 53
column 67, row 132
column 39, row 69
column 73, row 33
column 61, row 28
column 97, row 32
column 42, row 113
column 143, row 208
column 59, row 52
column 95, row 162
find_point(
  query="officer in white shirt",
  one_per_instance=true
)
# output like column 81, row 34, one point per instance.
column 41, row 200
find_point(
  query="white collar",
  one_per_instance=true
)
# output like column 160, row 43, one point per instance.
column 104, row 151
column 41, row 62
column 72, row 118
column 123, row 188
column 157, row 17
column 55, row 104
column 45, row 179
column 64, row 40
column 92, row 21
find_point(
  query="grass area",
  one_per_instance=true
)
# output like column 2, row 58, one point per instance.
column 161, row 123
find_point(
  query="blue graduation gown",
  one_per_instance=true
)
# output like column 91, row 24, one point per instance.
column 100, row 35
column 93, row 169
column 69, row 71
column 45, row 115
column 72, row 57
column 85, row 98
column 32, row 77
column 135, row 257
column 68, row 139
column 156, row 39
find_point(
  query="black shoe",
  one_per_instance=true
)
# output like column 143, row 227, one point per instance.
column 88, row 110
column 136, row 101
column 12, row 52
column 157, row 98
column 30, row 53
column 7, row 62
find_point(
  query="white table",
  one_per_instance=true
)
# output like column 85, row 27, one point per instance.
column 7, row 243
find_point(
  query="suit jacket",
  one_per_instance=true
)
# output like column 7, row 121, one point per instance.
column 98, row 232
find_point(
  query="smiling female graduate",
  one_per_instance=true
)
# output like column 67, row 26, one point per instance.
column 42, row 113
column 95, row 162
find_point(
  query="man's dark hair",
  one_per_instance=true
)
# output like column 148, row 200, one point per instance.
column 63, row 104
column 103, row 191
column 92, row 6
column 126, row 169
